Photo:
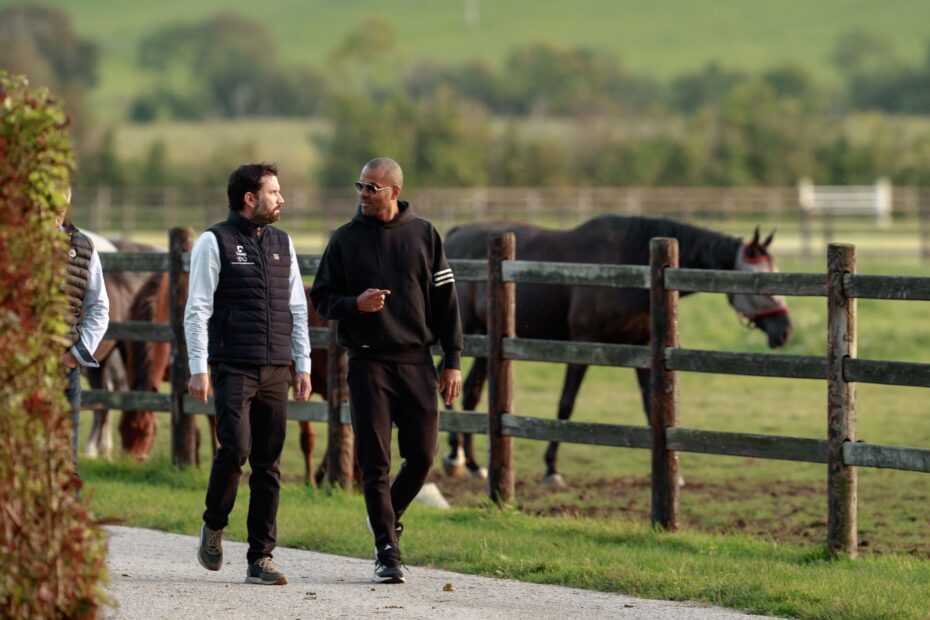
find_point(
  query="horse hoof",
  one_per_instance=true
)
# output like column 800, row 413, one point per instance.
column 479, row 472
column 555, row 481
column 681, row 481
column 453, row 467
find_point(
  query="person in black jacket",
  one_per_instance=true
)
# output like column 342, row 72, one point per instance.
column 385, row 278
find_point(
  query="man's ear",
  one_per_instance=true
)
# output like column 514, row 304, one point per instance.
column 395, row 192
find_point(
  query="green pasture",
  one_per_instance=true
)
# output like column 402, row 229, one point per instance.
column 659, row 39
column 752, row 530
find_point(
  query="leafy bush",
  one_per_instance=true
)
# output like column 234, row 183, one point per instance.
column 52, row 554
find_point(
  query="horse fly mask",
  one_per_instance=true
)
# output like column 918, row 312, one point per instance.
column 754, row 307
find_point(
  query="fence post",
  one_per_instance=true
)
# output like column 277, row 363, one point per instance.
column 340, row 438
column 663, row 385
column 841, row 403
column 183, row 427
column 501, row 324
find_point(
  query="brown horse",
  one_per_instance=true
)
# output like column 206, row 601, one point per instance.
column 592, row 314
column 121, row 287
column 148, row 366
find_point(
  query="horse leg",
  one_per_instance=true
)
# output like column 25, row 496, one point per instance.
column 116, row 379
column 460, row 446
column 642, row 376
column 307, row 442
column 92, row 447
column 574, row 374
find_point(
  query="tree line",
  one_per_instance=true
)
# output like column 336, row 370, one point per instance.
column 548, row 115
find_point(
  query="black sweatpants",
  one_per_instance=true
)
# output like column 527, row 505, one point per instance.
column 251, row 421
column 405, row 394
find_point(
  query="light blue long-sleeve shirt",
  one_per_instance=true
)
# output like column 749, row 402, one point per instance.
column 95, row 315
column 204, row 278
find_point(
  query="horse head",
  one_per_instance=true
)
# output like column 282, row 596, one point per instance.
column 767, row 312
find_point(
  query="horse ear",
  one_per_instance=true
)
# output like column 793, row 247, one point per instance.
column 755, row 237
column 768, row 240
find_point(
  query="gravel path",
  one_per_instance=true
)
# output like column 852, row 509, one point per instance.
column 156, row 575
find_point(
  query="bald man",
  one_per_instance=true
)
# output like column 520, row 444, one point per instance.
column 385, row 279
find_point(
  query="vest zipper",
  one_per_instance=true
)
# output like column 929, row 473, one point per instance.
column 261, row 258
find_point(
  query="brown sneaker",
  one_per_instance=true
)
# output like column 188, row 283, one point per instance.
column 210, row 552
column 265, row 573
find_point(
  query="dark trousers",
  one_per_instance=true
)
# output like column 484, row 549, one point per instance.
column 73, row 394
column 405, row 394
column 251, row 421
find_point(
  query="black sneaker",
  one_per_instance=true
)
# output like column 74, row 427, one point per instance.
column 387, row 566
column 265, row 573
column 210, row 552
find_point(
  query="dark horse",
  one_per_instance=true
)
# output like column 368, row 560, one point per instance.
column 121, row 287
column 148, row 366
column 598, row 314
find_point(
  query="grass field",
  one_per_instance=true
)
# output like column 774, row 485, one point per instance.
column 738, row 514
column 660, row 39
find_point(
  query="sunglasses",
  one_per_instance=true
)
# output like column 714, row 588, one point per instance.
column 361, row 187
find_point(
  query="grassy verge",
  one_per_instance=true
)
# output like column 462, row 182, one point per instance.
column 613, row 555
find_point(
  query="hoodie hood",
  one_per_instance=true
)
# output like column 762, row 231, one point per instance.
column 404, row 216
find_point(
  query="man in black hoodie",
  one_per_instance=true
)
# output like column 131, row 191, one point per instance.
column 385, row 278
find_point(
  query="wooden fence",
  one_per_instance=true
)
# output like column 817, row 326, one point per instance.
column 840, row 368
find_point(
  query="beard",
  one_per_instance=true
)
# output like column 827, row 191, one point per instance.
column 266, row 213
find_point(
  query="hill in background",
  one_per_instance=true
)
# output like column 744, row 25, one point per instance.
column 662, row 39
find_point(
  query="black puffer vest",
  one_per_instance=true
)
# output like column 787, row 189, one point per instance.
column 251, row 322
column 79, row 253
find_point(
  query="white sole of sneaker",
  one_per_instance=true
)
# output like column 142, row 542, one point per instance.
column 377, row 579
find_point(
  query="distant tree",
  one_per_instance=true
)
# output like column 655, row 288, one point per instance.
column 223, row 66
column 859, row 52
column 876, row 79
column 39, row 41
column 789, row 80
column 707, row 87
column 363, row 129
column 367, row 60
column 439, row 140
column 544, row 78
column 101, row 165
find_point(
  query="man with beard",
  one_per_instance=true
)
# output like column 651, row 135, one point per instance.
column 385, row 278
column 246, row 315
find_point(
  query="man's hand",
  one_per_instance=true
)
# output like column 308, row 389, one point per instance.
column 450, row 384
column 371, row 300
column 199, row 386
column 302, row 386
column 69, row 360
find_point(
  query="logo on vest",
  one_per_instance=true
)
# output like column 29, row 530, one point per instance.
column 275, row 256
column 72, row 252
column 241, row 257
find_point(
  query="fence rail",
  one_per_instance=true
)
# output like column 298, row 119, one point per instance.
column 319, row 210
column 839, row 367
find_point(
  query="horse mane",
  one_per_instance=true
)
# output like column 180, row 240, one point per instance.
column 697, row 247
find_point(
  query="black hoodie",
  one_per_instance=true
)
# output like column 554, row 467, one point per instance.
column 404, row 256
